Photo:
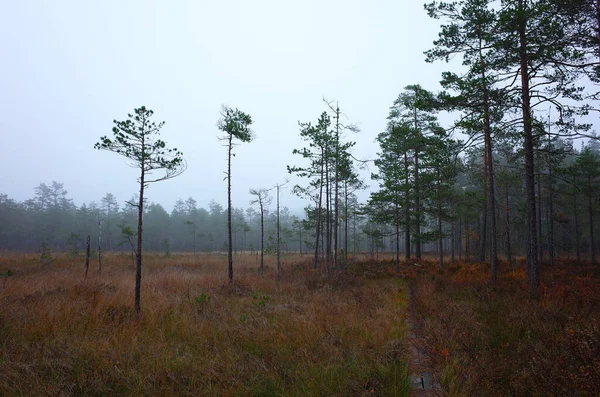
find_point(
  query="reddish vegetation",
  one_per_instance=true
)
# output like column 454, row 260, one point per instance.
column 493, row 340
column 305, row 335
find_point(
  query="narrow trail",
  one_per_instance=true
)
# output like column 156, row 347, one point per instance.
column 422, row 377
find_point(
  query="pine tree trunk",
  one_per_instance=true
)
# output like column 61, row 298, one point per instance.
column 300, row 236
column 508, row 239
column 452, row 241
column 354, row 240
column 99, row 247
column 87, row 256
column 591, row 216
column 452, row 233
column 346, row 222
column 262, row 237
column 467, row 242
column 439, row 209
column 406, row 209
column 489, row 171
column 328, row 211
column 336, row 197
column 323, row 234
column 397, row 221
column 278, row 240
column 318, row 209
column 417, row 209
column 598, row 25
column 539, row 208
column 577, row 233
column 551, row 214
column 229, row 237
column 138, row 268
column 460, row 243
column 532, row 243
column 483, row 221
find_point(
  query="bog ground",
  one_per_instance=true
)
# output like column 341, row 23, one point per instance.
column 306, row 335
column 63, row 335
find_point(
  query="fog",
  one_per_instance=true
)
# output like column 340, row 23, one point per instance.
column 70, row 67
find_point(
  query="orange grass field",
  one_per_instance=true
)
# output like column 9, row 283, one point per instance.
column 306, row 335
column 62, row 335
column 489, row 339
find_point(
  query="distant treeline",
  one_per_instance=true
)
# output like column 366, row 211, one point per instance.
column 568, row 194
column 51, row 218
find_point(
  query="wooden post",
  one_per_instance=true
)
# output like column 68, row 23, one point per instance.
column 87, row 256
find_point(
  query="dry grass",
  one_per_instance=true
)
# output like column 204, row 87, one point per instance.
column 493, row 340
column 306, row 335
column 61, row 335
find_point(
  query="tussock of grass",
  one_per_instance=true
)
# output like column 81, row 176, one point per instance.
column 197, row 335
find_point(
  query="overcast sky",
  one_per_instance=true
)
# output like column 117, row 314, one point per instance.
column 70, row 67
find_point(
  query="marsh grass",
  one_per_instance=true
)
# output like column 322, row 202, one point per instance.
column 490, row 339
column 305, row 335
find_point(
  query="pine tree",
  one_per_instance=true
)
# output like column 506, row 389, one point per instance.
column 137, row 139
column 236, row 127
